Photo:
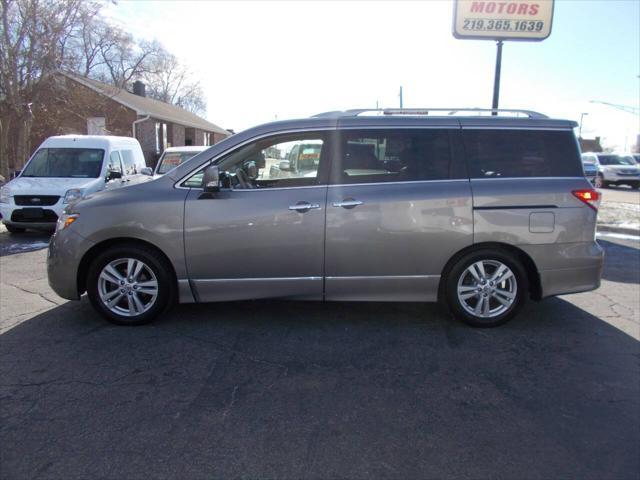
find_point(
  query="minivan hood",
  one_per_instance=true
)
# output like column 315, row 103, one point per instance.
column 47, row 185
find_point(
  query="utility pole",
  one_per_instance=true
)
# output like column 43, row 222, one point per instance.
column 496, row 78
column 580, row 129
column 400, row 96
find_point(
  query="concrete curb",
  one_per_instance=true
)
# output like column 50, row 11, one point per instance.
column 617, row 229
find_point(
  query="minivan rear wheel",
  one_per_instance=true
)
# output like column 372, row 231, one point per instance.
column 129, row 285
column 486, row 288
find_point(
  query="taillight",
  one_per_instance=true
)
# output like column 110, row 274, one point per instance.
column 588, row 196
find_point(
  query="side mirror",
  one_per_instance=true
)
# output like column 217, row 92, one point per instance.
column 146, row 171
column 284, row 165
column 113, row 175
column 211, row 181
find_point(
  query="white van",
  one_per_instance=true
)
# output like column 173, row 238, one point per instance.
column 63, row 170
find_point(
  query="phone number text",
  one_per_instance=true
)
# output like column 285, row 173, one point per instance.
column 484, row 25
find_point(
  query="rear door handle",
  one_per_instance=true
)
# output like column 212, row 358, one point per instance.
column 348, row 203
column 304, row 206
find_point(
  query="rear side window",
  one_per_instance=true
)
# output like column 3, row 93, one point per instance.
column 522, row 153
column 372, row 156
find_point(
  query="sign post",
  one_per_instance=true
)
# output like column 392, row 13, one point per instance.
column 520, row 20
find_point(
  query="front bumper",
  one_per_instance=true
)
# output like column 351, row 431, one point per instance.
column 620, row 178
column 13, row 215
column 66, row 249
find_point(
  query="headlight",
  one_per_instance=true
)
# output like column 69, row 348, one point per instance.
column 73, row 195
column 4, row 195
column 65, row 220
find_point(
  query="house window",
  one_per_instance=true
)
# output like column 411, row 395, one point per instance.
column 206, row 138
column 157, row 137
column 96, row 126
column 164, row 136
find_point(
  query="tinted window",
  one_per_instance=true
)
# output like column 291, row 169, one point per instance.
column 65, row 162
column 522, row 153
column 372, row 156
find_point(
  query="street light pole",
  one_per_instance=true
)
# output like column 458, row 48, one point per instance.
column 496, row 78
column 580, row 129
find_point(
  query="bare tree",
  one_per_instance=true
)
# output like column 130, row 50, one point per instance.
column 38, row 37
column 34, row 37
column 170, row 81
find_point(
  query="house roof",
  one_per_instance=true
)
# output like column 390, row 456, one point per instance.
column 148, row 106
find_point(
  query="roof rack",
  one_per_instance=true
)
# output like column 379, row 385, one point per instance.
column 428, row 112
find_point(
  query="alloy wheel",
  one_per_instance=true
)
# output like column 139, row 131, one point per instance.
column 127, row 287
column 487, row 288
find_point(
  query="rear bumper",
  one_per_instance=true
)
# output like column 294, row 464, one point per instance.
column 583, row 276
column 572, row 280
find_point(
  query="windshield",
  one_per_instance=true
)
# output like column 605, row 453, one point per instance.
column 171, row 160
column 616, row 160
column 65, row 163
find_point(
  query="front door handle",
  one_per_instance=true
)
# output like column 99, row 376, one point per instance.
column 303, row 207
column 348, row 203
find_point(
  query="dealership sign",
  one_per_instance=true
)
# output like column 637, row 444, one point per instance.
column 503, row 20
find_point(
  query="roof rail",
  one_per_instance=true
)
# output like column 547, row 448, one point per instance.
column 428, row 112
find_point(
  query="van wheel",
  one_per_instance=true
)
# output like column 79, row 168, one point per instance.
column 129, row 285
column 12, row 229
column 486, row 288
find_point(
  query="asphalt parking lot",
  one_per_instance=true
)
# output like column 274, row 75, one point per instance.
column 310, row 390
column 621, row 194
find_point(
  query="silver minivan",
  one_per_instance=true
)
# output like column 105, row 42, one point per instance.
column 478, row 211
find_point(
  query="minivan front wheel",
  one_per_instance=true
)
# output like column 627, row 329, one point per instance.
column 486, row 288
column 129, row 285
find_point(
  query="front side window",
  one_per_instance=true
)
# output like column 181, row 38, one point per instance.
column 284, row 161
column 115, row 162
column 522, row 153
column 129, row 160
column 128, row 163
column 372, row 156
column 65, row 163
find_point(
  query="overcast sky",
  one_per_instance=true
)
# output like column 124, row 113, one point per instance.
column 259, row 61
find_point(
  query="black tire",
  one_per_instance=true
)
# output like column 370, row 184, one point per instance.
column 12, row 229
column 458, row 269
column 600, row 182
column 161, row 269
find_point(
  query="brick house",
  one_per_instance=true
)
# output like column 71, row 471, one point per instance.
column 590, row 145
column 82, row 105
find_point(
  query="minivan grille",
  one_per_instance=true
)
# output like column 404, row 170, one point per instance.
column 36, row 200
